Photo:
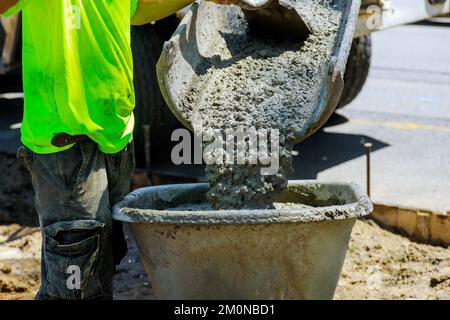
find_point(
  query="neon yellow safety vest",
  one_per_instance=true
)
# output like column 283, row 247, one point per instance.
column 77, row 72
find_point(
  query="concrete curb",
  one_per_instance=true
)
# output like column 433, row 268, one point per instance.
column 420, row 225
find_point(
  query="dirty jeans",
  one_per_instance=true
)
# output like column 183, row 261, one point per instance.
column 75, row 191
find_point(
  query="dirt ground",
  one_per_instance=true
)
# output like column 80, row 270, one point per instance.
column 383, row 265
column 379, row 264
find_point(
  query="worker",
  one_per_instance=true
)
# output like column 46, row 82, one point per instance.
column 77, row 132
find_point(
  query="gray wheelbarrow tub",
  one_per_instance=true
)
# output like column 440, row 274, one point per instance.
column 248, row 254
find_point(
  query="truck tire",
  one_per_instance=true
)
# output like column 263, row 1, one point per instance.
column 358, row 66
column 150, row 110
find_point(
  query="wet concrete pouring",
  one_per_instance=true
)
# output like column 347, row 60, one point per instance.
column 259, row 88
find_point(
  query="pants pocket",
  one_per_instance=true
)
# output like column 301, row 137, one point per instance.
column 26, row 156
column 71, row 251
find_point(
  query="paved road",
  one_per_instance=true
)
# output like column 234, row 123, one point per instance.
column 404, row 110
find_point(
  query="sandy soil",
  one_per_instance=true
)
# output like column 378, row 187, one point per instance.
column 383, row 265
column 19, row 261
column 20, row 239
column 379, row 264
column 20, row 249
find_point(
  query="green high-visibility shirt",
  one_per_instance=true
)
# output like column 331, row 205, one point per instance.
column 77, row 72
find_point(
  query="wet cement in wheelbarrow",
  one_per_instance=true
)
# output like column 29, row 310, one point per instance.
column 271, row 84
column 207, row 207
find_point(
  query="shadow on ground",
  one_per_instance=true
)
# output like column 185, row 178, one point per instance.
column 325, row 150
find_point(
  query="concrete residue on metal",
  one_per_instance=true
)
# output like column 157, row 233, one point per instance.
column 220, row 73
column 207, row 207
column 302, row 202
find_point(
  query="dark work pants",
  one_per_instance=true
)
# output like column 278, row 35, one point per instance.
column 75, row 191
